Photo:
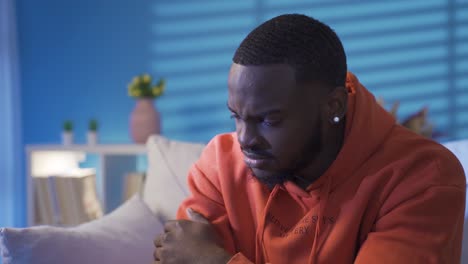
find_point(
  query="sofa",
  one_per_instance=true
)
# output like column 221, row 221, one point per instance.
column 126, row 234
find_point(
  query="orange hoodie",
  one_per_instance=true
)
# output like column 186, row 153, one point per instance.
column 390, row 196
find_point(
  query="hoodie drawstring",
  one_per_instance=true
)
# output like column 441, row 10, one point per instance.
column 261, row 228
column 324, row 196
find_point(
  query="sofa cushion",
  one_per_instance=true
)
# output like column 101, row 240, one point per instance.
column 123, row 236
column 460, row 149
column 166, row 181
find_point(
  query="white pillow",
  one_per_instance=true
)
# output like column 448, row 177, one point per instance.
column 124, row 236
column 460, row 149
column 166, row 180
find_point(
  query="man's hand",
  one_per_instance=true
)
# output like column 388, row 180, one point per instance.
column 192, row 241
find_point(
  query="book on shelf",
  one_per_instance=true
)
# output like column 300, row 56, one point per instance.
column 43, row 201
column 133, row 184
column 67, row 199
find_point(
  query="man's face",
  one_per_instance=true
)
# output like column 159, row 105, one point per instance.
column 278, row 122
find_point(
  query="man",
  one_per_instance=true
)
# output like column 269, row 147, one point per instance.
column 317, row 171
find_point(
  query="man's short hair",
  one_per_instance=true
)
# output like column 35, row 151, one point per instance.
column 309, row 46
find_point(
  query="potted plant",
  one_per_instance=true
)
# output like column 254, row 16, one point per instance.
column 92, row 132
column 67, row 133
column 145, row 119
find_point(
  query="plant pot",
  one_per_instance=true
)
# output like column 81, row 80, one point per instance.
column 145, row 120
column 67, row 138
column 92, row 138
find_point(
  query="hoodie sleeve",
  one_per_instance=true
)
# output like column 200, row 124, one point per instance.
column 206, row 199
column 426, row 228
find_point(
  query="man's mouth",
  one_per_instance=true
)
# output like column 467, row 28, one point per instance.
column 257, row 161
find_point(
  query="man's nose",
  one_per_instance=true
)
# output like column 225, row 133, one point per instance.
column 247, row 135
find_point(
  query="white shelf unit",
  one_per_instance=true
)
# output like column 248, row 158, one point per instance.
column 114, row 162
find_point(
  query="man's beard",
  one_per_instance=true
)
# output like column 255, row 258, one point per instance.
column 309, row 153
column 278, row 178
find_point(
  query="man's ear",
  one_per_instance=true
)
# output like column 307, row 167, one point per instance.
column 337, row 103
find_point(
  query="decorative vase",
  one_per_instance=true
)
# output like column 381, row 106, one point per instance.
column 145, row 120
column 92, row 138
column 67, row 138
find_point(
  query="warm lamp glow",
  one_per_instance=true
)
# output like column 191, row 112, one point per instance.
column 49, row 163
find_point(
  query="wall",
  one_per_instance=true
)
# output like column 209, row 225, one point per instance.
column 77, row 58
column 11, row 182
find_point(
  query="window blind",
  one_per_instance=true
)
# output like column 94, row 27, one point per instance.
column 415, row 52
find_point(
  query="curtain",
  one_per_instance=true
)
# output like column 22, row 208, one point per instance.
column 11, row 178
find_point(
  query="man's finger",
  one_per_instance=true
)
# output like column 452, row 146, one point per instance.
column 171, row 226
column 196, row 217
column 157, row 254
column 159, row 240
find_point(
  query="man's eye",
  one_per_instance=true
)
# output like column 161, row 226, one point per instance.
column 235, row 116
column 270, row 123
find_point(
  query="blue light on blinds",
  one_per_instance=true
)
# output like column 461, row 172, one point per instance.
column 461, row 69
column 171, row 9
column 193, row 48
column 415, row 52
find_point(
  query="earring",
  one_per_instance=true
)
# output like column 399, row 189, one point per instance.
column 336, row 120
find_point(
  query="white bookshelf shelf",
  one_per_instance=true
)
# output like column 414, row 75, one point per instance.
column 108, row 149
column 115, row 161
